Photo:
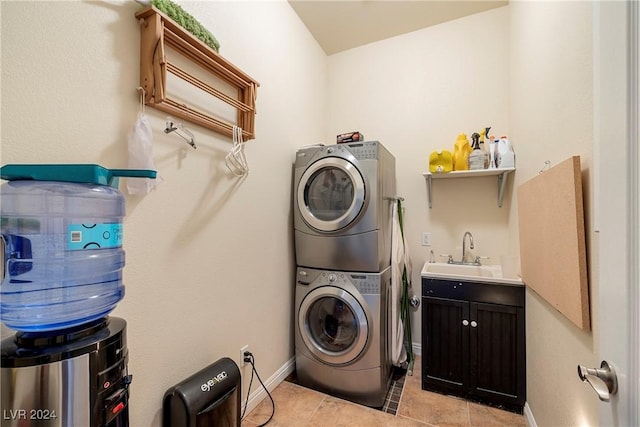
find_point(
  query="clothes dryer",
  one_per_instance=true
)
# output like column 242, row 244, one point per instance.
column 341, row 332
column 342, row 196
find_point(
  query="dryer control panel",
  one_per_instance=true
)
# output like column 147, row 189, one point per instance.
column 367, row 150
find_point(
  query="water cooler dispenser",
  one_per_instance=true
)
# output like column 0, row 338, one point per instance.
column 73, row 377
column 61, row 246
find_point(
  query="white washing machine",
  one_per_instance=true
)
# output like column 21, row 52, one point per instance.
column 341, row 331
column 342, row 195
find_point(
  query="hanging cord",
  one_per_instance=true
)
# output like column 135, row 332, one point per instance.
column 236, row 161
column 405, row 305
column 249, row 358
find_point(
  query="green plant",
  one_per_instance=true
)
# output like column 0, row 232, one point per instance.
column 186, row 21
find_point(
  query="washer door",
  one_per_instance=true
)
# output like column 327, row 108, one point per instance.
column 333, row 325
column 331, row 194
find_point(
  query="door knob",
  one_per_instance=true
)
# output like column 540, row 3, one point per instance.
column 603, row 380
column 414, row 301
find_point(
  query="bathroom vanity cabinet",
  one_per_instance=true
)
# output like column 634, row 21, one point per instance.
column 473, row 341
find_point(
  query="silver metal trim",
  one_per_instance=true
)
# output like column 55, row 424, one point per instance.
column 54, row 394
column 334, row 358
column 633, row 252
column 356, row 204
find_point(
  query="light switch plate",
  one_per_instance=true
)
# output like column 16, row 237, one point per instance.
column 426, row 239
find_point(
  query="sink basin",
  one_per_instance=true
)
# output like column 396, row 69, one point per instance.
column 461, row 270
column 474, row 273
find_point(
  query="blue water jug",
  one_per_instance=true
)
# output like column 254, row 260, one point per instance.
column 62, row 240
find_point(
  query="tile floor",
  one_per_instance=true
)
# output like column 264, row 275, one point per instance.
column 298, row 406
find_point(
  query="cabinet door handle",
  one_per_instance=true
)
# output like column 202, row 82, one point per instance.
column 474, row 324
column 465, row 322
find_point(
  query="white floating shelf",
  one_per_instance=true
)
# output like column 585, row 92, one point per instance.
column 500, row 173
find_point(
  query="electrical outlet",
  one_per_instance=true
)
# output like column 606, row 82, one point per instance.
column 426, row 239
column 242, row 350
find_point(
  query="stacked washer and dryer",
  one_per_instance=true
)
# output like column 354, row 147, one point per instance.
column 342, row 222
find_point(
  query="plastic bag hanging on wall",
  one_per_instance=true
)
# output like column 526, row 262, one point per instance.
column 140, row 144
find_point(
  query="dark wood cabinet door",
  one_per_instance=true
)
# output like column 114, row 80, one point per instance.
column 473, row 341
column 445, row 361
column 497, row 353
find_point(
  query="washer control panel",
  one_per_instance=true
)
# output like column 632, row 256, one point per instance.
column 366, row 283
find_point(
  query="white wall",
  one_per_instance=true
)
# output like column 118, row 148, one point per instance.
column 209, row 258
column 415, row 93
column 551, row 116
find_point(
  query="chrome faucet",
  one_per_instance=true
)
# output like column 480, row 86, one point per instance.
column 464, row 250
column 467, row 259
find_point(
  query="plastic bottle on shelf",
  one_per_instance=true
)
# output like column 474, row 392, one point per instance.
column 461, row 151
column 506, row 155
column 440, row 161
column 484, row 137
column 477, row 157
column 493, row 155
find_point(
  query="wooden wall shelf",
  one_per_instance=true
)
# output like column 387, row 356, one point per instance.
column 158, row 31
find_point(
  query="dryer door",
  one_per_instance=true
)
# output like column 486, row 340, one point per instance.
column 333, row 325
column 331, row 194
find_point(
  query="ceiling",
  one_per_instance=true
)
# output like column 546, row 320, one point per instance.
column 345, row 24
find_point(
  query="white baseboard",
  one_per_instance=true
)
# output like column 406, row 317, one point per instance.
column 417, row 348
column 271, row 383
column 528, row 416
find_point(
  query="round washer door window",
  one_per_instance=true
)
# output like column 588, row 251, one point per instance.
column 333, row 325
column 331, row 194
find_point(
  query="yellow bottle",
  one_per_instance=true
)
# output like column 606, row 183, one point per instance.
column 461, row 151
column 440, row 161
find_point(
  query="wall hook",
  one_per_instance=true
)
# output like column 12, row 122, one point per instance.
column 143, row 97
column 547, row 165
column 181, row 131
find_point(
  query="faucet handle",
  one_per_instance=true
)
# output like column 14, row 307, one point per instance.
column 449, row 258
column 478, row 258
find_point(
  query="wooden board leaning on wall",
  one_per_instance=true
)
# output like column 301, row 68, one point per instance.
column 553, row 256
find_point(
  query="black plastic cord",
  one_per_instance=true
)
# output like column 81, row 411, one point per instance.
column 249, row 358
